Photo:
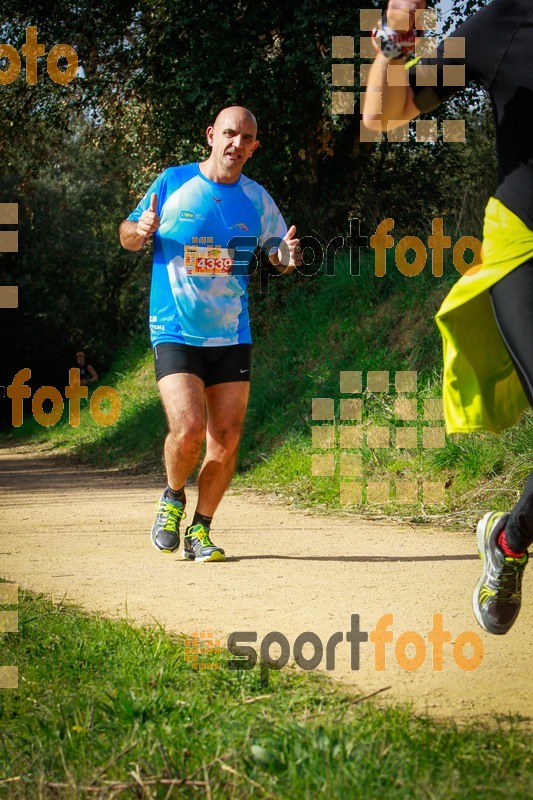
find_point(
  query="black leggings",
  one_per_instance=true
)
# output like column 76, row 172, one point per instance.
column 512, row 302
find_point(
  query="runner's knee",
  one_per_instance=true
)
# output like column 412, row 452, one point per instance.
column 225, row 439
column 189, row 436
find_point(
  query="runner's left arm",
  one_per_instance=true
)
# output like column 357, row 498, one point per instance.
column 288, row 256
column 280, row 245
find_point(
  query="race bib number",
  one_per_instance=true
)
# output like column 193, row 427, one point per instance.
column 208, row 260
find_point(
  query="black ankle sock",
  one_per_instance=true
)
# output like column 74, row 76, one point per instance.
column 176, row 496
column 200, row 519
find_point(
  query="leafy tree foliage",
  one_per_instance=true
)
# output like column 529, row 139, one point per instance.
column 152, row 76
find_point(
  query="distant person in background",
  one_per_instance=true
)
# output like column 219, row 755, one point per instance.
column 88, row 374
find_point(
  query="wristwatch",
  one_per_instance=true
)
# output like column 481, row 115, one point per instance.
column 394, row 44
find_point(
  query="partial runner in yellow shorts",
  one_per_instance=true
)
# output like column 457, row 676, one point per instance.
column 486, row 321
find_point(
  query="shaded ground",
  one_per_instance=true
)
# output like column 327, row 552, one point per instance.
column 85, row 535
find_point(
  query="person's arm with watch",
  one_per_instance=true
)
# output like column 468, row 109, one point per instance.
column 387, row 106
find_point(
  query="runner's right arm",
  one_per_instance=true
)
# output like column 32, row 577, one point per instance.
column 134, row 235
column 388, row 106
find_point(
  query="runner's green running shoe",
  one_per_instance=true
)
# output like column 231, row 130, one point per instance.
column 497, row 596
column 166, row 529
column 198, row 546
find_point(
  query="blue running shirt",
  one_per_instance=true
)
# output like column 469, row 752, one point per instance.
column 202, row 253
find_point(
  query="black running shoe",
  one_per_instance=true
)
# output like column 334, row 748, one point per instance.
column 497, row 596
column 166, row 529
column 197, row 545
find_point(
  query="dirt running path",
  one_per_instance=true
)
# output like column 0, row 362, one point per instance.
column 69, row 531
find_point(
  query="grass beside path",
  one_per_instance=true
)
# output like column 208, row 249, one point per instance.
column 104, row 709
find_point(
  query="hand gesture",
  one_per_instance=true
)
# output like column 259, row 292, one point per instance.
column 149, row 220
column 290, row 256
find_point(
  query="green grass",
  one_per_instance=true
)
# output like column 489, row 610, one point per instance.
column 306, row 332
column 103, row 705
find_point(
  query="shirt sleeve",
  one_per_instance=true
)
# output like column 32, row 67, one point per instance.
column 273, row 226
column 470, row 53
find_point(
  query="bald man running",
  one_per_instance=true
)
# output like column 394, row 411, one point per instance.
column 206, row 220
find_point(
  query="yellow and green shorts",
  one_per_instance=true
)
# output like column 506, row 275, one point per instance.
column 481, row 388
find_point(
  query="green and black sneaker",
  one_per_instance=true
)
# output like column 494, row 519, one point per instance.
column 166, row 530
column 197, row 545
column 498, row 593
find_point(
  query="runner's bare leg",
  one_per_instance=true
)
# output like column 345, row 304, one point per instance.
column 183, row 398
column 226, row 409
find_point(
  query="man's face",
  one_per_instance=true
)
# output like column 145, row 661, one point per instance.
column 233, row 140
column 80, row 358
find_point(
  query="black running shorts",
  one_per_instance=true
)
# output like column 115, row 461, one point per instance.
column 212, row 364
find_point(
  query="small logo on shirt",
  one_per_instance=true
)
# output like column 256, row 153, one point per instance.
column 187, row 215
column 217, row 199
column 241, row 226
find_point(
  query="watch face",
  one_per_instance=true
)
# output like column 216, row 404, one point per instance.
column 395, row 44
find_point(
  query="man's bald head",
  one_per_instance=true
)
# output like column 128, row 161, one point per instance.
column 233, row 139
column 233, row 115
